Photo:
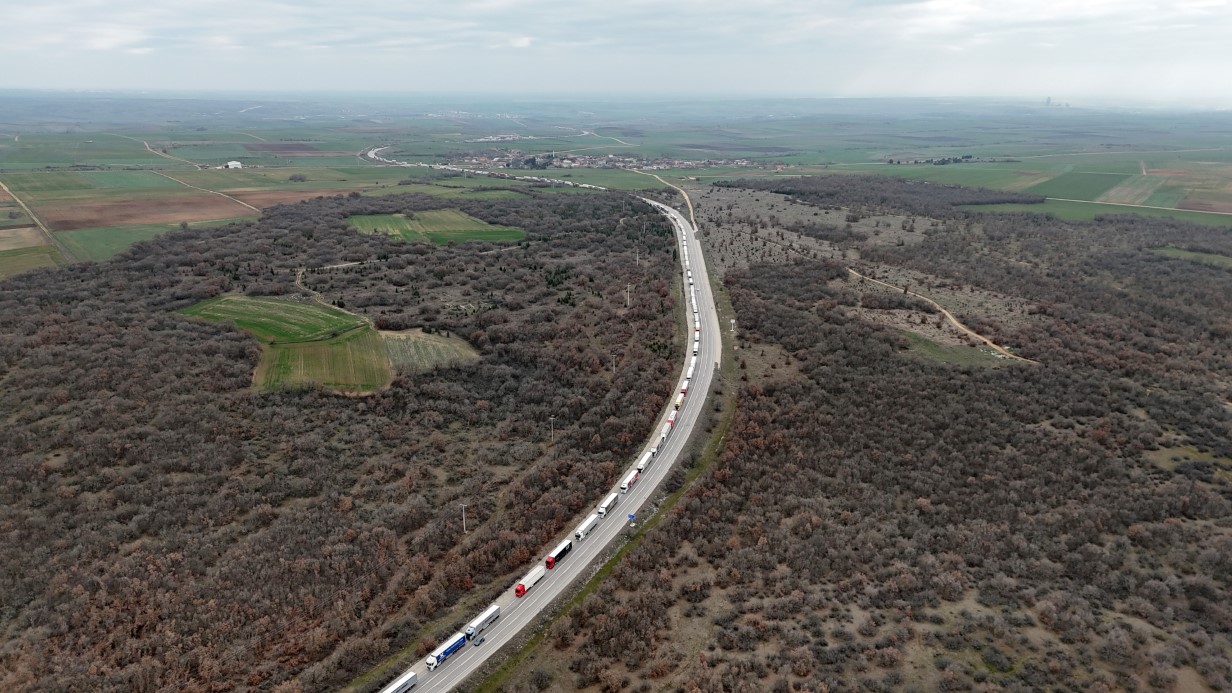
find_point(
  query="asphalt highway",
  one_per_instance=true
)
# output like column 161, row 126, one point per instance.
column 518, row 613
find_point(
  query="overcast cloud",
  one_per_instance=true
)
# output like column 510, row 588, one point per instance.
column 1077, row 49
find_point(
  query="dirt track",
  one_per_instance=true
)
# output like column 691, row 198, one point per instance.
column 953, row 320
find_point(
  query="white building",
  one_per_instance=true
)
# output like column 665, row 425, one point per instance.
column 233, row 164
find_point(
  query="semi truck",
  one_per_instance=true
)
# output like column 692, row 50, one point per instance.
column 630, row 480
column 402, row 684
column 680, row 399
column 558, row 554
column 482, row 621
column 450, row 646
column 608, row 503
column 689, row 374
column 685, row 388
column 528, row 581
column 587, row 525
column 671, row 418
column 644, row 462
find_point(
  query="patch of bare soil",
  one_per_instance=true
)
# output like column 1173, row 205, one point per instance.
column 164, row 210
column 1200, row 205
column 21, row 237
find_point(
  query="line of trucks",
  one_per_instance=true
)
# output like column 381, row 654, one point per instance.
column 475, row 628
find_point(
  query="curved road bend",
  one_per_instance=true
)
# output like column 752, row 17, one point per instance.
column 517, row 614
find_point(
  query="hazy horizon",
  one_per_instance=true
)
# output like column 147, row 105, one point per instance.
column 1126, row 51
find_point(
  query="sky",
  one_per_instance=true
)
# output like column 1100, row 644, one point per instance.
column 1075, row 50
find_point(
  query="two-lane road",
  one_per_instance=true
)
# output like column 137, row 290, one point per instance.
column 516, row 613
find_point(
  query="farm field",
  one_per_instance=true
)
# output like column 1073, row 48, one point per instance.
column 438, row 226
column 273, row 320
column 415, row 351
column 24, row 259
column 1078, row 185
column 21, row 237
column 304, row 343
column 102, row 243
column 353, row 362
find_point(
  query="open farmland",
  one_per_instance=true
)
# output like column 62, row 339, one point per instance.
column 20, row 237
column 274, row 320
column 1078, row 185
column 24, row 259
column 416, row 351
column 436, row 225
column 353, row 362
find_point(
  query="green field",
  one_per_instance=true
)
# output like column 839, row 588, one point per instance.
column 1078, row 185
column 101, row 244
column 274, row 320
column 415, row 351
column 924, row 348
column 436, row 225
column 24, row 259
column 1205, row 258
column 1086, row 211
column 355, row 361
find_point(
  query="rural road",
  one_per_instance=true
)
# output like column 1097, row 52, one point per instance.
column 517, row 614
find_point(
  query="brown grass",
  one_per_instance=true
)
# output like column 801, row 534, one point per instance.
column 168, row 209
column 21, row 237
column 1197, row 204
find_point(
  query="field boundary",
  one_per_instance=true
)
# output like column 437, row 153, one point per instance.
column 213, row 192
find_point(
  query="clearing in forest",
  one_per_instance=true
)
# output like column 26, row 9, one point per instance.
column 435, row 225
column 354, row 362
column 304, row 343
column 275, row 320
column 415, row 351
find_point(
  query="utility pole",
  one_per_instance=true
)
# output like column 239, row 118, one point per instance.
column 733, row 323
column 628, row 287
column 552, row 427
column 464, row 518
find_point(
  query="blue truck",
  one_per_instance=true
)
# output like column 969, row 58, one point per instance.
column 450, row 646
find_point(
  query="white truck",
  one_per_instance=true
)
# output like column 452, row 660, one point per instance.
column 402, row 684
column 528, row 581
column 645, row 461
column 630, row 480
column 680, row 399
column 482, row 621
column 608, row 503
column 587, row 525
